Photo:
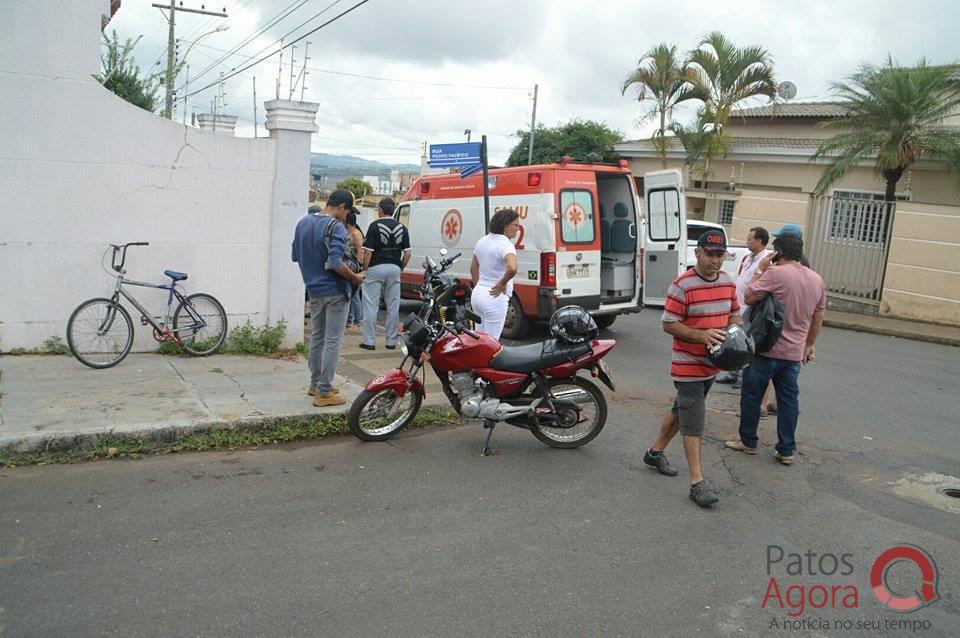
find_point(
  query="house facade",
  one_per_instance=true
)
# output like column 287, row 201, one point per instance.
column 901, row 261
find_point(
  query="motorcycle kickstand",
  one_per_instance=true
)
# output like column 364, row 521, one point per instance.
column 488, row 425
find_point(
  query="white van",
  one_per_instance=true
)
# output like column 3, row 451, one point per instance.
column 578, row 241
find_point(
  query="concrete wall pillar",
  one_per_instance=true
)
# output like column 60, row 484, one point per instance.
column 291, row 125
column 222, row 124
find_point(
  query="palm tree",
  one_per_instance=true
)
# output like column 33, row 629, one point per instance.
column 695, row 138
column 663, row 80
column 894, row 114
column 725, row 76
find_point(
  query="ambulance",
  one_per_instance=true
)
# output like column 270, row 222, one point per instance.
column 580, row 237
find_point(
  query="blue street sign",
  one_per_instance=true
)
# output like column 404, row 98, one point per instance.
column 467, row 171
column 454, row 155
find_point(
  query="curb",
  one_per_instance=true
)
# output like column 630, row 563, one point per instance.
column 894, row 332
column 152, row 434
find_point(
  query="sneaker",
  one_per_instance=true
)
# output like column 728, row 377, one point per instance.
column 391, row 346
column 786, row 459
column 740, row 447
column 325, row 400
column 660, row 462
column 702, row 494
column 314, row 393
column 771, row 408
column 367, row 346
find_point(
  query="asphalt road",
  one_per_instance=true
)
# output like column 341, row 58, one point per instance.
column 422, row 536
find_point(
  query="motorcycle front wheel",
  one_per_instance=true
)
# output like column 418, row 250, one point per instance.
column 581, row 413
column 377, row 416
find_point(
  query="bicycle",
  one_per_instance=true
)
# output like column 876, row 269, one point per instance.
column 100, row 331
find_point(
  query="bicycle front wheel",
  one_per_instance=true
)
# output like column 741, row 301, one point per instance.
column 100, row 333
column 201, row 323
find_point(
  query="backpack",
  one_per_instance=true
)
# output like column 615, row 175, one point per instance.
column 764, row 322
column 349, row 258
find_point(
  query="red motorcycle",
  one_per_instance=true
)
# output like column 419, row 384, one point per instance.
column 533, row 386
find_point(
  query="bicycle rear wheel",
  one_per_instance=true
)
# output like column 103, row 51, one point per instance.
column 202, row 326
column 100, row 333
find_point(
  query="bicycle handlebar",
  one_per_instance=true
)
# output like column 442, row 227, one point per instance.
column 123, row 254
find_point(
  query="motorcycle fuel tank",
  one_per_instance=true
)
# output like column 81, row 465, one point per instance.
column 464, row 352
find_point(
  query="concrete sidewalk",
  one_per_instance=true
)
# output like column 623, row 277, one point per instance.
column 54, row 402
column 917, row 330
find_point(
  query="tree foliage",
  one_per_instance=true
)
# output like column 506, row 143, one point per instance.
column 119, row 73
column 664, row 80
column 724, row 75
column 357, row 186
column 894, row 115
column 583, row 139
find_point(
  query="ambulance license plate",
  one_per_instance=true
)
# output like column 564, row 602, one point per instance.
column 578, row 271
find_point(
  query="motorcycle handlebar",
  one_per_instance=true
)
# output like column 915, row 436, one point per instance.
column 462, row 328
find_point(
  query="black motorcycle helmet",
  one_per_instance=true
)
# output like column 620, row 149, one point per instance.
column 735, row 352
column 573, row 324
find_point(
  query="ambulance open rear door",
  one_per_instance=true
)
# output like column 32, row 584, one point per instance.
column 664, row 236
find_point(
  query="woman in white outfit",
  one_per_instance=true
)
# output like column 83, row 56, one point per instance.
column 493, row 269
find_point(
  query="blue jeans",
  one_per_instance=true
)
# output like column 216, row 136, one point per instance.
column 328, row 316
column 756, row 376
column 356, row 310
column 383, row 278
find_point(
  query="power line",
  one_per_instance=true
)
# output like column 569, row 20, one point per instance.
column 383, row 79
column 302, row 37
column 283, row 13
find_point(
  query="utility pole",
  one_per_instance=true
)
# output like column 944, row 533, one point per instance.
column 254, row 107
column 533, row 126
column 171, row 17
column 186, row 84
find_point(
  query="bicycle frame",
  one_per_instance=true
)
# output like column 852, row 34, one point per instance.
column 161, row 328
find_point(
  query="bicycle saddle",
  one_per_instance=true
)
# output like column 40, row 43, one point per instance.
column 176, row 276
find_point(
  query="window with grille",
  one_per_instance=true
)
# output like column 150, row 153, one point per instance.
column 726, row 211
column 860, row 216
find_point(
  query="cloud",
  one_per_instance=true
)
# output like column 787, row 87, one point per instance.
column 578, row 53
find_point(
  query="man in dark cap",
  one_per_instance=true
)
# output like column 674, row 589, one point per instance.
column 329, row 283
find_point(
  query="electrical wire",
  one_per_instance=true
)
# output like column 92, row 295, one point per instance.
column 283, row 13
column 383, row 79
column 290, row 44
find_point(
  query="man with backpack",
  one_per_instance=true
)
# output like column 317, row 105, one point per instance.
column 804, row 298
column 386, row 251
column 319, row 243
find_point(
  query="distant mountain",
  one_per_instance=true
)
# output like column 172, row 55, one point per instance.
column 350, row 165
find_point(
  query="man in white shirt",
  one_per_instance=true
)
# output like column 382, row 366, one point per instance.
column 757, row 240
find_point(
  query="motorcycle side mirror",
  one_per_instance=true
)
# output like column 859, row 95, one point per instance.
column 443, row 252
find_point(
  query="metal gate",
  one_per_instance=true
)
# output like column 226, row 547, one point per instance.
column 848, row 241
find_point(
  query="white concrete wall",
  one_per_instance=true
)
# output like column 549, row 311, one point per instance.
column 82, row 168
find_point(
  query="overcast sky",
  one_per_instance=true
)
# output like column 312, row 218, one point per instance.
column 447, row 65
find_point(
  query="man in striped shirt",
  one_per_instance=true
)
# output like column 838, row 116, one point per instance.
column 701, row 304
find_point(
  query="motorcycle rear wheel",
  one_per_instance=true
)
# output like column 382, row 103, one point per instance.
column 578, row 427
column 371, row 419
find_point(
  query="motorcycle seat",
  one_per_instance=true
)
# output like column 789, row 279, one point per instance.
column 537, row 356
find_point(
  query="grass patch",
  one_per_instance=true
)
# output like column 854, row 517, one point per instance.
column 53, row 345
column 270, row 432
column 264, row 341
